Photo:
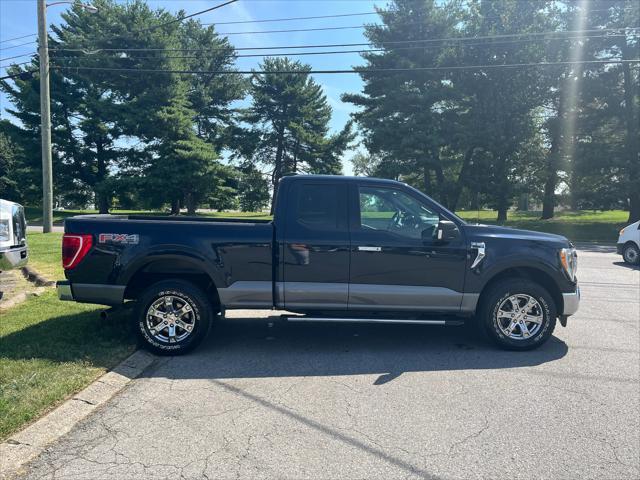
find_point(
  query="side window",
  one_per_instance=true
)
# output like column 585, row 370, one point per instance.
column 393, row 211
column 319, row 207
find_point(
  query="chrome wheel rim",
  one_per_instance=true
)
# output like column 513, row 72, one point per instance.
column 170, row 319
column 519, row 316
column 631, row 255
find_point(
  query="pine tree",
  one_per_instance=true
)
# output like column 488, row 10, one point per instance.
column 290, row 118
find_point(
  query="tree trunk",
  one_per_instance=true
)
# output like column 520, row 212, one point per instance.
column 190, row 203
column 277, row 171
column 634, row 207
column 175, row 206
column 102, row 195
column 462, row 177
column 426, row 179
column 551, row 182
column 502, row 213
column 440, row 179
column 632, row 143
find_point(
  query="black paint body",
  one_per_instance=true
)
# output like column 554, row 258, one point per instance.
column 308, row 265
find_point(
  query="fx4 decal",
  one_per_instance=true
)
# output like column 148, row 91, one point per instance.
column 122, row 238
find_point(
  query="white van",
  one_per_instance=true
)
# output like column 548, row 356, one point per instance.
column 629, row 243
column 13, row 236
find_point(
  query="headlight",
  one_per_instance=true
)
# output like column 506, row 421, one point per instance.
column 569, row 262
column 621, row 232
column 4, row 230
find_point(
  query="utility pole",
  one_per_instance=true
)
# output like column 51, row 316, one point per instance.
column 45, row 120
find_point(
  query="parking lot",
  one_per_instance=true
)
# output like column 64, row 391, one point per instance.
column 375, row 401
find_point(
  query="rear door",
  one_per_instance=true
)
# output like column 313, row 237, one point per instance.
column 316, row 246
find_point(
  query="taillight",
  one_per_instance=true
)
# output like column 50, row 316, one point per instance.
column 74, row 249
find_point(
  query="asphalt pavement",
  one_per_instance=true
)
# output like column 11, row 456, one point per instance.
column 376, row 401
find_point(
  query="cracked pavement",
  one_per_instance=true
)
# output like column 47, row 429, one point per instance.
column 378, row 401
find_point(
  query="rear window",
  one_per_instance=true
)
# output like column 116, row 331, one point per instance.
column 318, row 207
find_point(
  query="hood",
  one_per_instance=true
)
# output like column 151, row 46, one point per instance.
column 495, row 231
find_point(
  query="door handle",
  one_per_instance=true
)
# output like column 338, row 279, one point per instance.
column 369, row 249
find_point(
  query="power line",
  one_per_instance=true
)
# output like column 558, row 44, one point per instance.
column 19, row 45
column 343, row 71
column 297, row 30
column 18, row 38
column 21, row 75
column 337, row 16
column 271, row 20
column 18, row 56
column 331, row 45
column 14, row 64
column 330, row 52
column 291, row 18
column 178, row 20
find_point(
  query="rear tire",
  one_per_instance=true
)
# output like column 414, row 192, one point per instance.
column 173, row 317
column 631, row 254
column 517, row 314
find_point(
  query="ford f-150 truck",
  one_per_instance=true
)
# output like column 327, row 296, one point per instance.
column 339, row 249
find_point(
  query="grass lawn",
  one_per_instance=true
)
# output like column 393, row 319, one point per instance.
column 50, row 350
column 45, row 252
column 582, row 226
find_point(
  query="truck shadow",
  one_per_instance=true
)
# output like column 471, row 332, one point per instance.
column 247, row 348
column 627, row 265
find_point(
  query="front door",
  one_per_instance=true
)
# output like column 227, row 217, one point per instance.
column 316, row 247
column 397, row 262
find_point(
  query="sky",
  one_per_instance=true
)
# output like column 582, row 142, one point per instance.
column 18, row 18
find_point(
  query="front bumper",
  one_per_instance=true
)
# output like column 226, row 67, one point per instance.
column 619, row 248
column 91, row 293
column 13, row 258
column 571, row 302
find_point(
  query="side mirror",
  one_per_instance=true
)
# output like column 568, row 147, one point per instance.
column 447, row 231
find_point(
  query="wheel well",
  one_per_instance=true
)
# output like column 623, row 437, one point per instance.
column 631, row 242
column 166, row 270
column 538, row 276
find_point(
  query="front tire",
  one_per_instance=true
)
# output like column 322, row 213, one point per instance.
column 173, row 317
column 517, row 314
column 631, row 254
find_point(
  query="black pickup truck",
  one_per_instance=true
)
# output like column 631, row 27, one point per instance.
column 339, row 249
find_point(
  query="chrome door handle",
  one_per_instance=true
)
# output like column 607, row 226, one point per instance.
column 369, row 249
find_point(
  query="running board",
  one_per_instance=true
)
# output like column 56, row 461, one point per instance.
column 371, row 320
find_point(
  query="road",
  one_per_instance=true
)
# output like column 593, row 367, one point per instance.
column 355, row 401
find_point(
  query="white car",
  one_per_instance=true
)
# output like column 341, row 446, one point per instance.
column 629, row 243
column 13, row 236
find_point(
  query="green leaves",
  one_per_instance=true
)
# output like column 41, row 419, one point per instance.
column 289, row 118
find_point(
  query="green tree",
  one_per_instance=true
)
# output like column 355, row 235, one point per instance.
column 109, row 125
column 606, row 161
column 253, row 189
column 290, row 118
column 401, row 114
column 8, row 181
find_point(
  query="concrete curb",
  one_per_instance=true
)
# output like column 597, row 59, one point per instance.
column 27, row 444
column 36, row 278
